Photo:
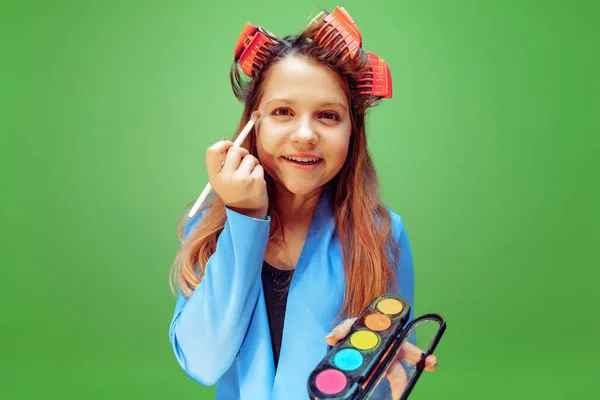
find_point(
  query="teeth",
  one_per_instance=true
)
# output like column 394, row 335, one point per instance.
column 306, row 160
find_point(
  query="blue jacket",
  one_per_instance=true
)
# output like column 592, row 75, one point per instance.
column 220, row 334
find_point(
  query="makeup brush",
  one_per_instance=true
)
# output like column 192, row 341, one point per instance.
column 255, row 116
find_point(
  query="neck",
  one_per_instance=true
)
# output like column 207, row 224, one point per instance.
column 296, row 210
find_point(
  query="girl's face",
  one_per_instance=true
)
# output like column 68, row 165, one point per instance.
column 305, row 126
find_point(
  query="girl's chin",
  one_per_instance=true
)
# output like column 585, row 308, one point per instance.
column 301, row 189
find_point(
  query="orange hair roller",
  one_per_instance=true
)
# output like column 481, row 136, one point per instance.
column 252, row 48
column 377, row 79
column 342, row 29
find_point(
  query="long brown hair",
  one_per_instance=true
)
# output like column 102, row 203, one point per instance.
column 370, row 253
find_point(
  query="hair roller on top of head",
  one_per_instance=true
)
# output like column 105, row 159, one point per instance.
column 252, row 47
column 340, row 39
column 338, row 33
column 377, row 79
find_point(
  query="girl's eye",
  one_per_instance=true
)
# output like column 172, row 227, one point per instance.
column 284, row 112
column 331, row 115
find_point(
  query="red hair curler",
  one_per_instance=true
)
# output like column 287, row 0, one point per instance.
column 252, row 48
column 342, row 30
column 377, row 79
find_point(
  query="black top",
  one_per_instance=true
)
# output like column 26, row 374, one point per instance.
column 276, row 283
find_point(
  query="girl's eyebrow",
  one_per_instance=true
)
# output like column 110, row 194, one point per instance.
column 324, row 104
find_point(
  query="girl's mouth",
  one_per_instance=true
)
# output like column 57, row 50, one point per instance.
column 303, row 161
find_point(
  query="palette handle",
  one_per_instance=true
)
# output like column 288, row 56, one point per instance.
column 421, row 364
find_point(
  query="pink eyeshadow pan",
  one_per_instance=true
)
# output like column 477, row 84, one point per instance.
column 331, row 381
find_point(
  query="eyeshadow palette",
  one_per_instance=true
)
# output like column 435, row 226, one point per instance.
column 354, row 366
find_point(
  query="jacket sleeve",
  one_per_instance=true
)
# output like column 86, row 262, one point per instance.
column 405, row 275
column 208, row 328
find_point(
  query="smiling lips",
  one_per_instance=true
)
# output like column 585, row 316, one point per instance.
column 303, row 159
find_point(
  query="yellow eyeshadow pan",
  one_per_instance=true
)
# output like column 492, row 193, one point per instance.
column 364, row 340
column 389, row 306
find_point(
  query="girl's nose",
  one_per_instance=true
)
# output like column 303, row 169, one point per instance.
column 305, row 133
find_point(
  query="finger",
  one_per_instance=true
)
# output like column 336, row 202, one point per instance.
column 413, row 354
column 258, row 172
column 339, row 332
column 247, row 165
column 233, row 158
column 398, row 379
column 214, row 155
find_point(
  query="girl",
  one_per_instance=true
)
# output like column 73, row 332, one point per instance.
column 296, row 237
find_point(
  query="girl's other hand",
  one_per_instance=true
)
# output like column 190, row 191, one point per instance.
column 395, row 373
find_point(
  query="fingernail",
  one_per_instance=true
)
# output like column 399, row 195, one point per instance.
column 224, row 139
column 330, row 335
column 434, row 364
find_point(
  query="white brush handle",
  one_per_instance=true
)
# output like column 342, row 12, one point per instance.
column 243, row 133
column 207, row 188
column 200, row 200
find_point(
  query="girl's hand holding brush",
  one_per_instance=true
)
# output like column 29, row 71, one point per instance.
column 239, row 177
column 240, row 182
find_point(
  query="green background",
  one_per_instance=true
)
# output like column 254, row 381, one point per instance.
column 488, row 150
